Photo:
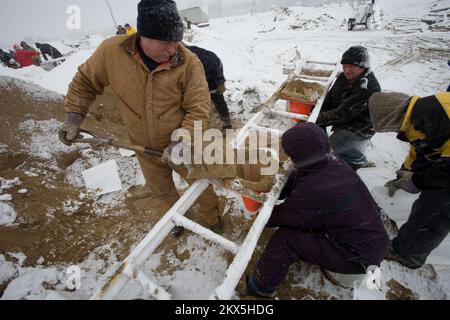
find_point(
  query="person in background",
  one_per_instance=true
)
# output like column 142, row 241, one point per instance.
column 188, row 23
column 49, row 50
column 216, row 82
column 24, row 57
column 37, row 61
column 424, row 123
column 8, row 60
column 121, row 30
column 345, row 108
column 328, row 217
column 130, row 29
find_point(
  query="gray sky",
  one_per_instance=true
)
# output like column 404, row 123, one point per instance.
column 45, row 20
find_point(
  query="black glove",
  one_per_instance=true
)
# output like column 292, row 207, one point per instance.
column 322, row 119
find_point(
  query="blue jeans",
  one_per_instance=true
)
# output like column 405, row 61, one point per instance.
column 350, row 147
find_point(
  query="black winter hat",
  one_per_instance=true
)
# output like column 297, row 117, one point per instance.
column 356, row 55
column 159, row 19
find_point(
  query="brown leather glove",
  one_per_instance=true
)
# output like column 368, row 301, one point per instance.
column 403, row 181
column 221, row 87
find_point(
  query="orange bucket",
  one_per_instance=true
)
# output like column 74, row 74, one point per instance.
column 300, row 107
column 250, row 205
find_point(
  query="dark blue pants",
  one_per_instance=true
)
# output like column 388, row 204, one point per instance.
column 349, row 146
column 427, row 226
column 287, row 246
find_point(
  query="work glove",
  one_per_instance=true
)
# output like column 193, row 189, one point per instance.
column 69, row 131
column 226, row 124
column 221, row 87
column 403, row 181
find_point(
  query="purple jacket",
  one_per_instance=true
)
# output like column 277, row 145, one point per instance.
column 326, row 196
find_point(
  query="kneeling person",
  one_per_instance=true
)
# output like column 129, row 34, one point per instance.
column 328, row 218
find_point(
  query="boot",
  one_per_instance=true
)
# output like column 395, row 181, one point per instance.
column 394, row 256
column 257, row 289
column 217, row 227
column 177, row 231
column 368, row 164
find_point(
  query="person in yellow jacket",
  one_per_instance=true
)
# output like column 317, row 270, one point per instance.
column 425, row 124
column 130, row 29
column 161, row 87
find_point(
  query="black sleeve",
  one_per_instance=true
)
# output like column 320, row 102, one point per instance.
column 436, row 176
column 429, row 117
column 289, row 186
column 328, row 102
column 44, row 55
column 354, row 104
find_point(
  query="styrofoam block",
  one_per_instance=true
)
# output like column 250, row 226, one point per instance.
column 126, row 153
column 104, row 178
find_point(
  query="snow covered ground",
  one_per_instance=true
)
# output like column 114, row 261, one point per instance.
column 254, row 49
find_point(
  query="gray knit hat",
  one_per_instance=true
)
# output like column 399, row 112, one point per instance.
column 387, row 110
column 358, row 56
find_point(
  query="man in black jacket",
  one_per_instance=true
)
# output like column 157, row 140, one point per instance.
column 346, row 108
column 7, row 59
column 216, row 82
column 425, row 124
column 47, row 49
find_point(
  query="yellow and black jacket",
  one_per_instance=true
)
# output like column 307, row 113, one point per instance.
column 427, row 128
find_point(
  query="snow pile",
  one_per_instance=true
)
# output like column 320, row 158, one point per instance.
column 7, row 214
column 59, row 78
column 411, row 8
column 5, row 197
column 71, row 206
column 55, row 283
column 7, row 269
column 8, row 184
column 44, row 142
column 195, row 278
column 8, row 80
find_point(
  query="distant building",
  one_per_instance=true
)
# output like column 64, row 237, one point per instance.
column 197, row 16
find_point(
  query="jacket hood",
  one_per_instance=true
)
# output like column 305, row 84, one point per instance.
column 387, row 110
column 306, row 144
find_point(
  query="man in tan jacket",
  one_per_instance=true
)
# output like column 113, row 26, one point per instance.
column 161, row 87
